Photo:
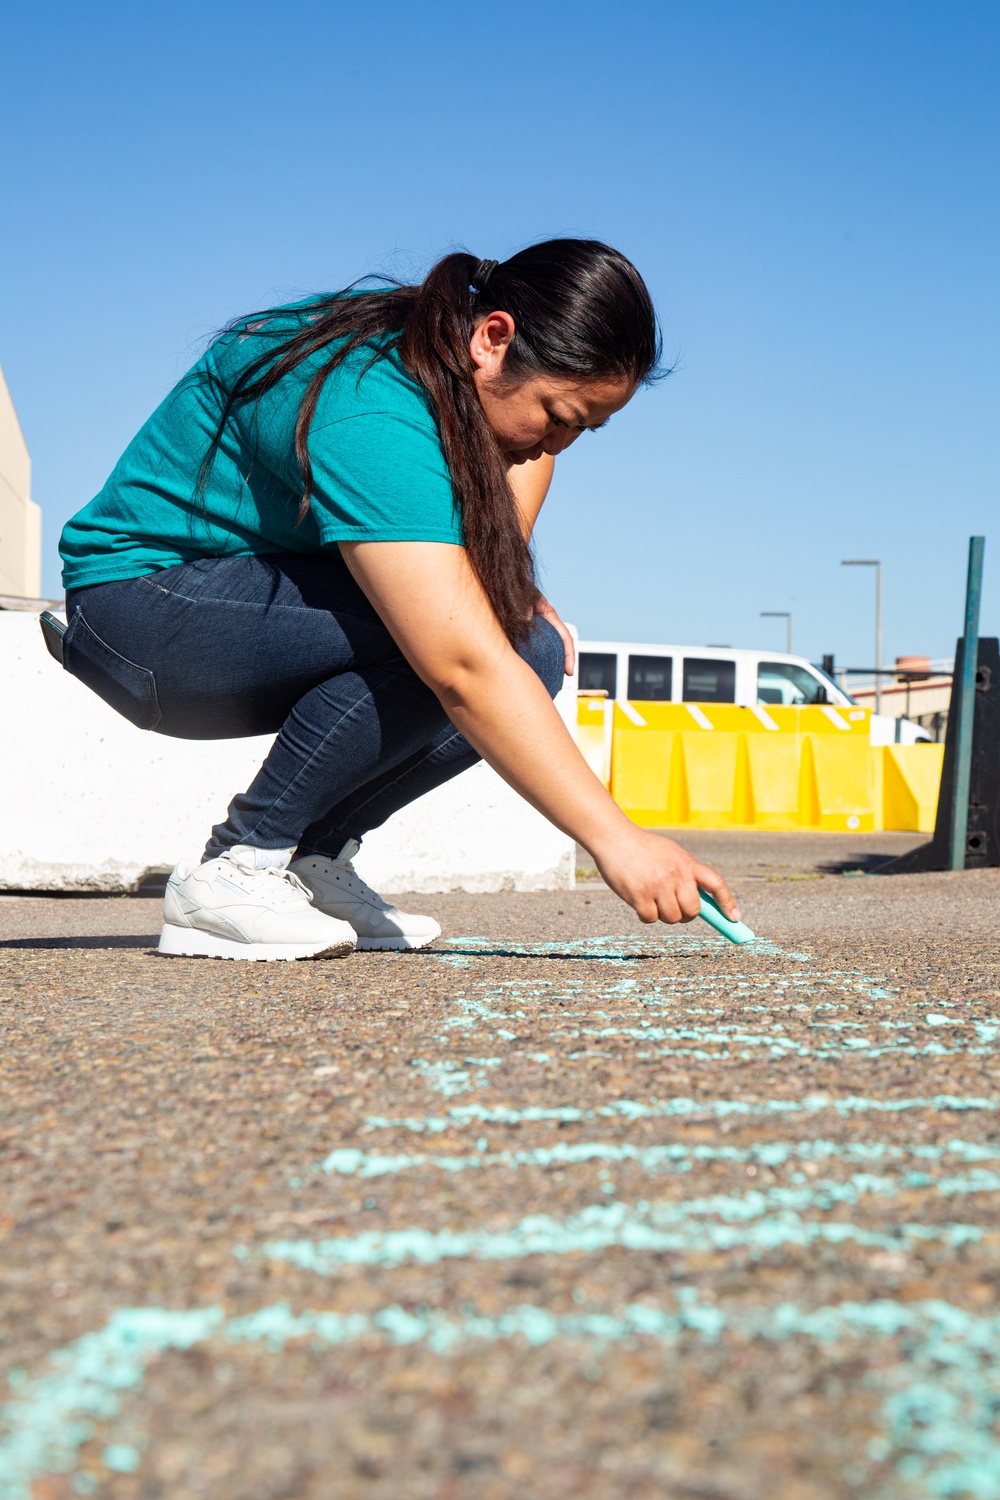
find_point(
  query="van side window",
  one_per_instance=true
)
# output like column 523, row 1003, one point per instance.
column 650, row 678
column 708, row 681
column 784, row 682
column 598, row 671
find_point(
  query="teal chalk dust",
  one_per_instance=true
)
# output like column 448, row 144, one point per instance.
column 350, row 1161
column 935, row 1407
column 474, row 1115
column 449, row 1078
column 760, row 1220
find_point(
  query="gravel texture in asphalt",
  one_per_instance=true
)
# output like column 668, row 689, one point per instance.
column 566, row 1206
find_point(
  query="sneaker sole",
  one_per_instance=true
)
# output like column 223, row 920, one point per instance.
column 395, row 945
column 194, row 942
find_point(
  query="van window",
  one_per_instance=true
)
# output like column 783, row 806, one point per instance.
column 784, row 682
column 598, row 669
column 709, row 681
column 650, row 678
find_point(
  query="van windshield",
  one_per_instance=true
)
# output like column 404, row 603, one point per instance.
column 785, row 682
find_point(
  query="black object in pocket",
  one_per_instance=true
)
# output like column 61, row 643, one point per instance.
column 53, row 631
column 127, row 688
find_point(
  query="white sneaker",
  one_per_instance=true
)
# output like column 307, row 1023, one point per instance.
column 338, row 889
column 227, row 908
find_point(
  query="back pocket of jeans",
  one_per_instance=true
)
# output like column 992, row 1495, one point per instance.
column 126, row 687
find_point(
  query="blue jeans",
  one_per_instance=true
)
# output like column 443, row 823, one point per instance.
column 286, row 644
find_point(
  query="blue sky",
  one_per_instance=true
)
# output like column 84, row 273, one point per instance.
column 809, row 188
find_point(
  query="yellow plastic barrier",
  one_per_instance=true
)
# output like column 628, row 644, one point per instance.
column 718, row 765
column 593, row 735
column 911, row 776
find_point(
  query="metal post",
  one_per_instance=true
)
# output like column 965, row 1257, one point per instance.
column 871, row 562
column 966, row 706
column 878, row 638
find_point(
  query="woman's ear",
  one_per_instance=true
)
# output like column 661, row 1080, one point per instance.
column 490, row 341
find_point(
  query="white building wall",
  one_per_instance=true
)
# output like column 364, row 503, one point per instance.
column 87, row 802
column 20, row 518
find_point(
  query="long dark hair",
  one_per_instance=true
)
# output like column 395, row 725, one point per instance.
column 580, row 310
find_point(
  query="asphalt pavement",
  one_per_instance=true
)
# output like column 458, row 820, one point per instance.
column 564, row 1207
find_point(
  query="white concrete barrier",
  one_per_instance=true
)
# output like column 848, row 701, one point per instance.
column 87, row 802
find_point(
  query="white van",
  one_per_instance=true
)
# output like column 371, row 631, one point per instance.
column 718, row 674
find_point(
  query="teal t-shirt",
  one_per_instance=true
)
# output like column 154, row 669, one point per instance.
column 379, row 472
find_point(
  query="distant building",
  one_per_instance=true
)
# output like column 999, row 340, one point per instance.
column 20, row 517
column 921, row 691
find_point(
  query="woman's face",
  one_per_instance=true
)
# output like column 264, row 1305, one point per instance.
column 544, row 413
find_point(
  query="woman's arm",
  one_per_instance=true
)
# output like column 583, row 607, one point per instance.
column 530, row 483
column 432, row 603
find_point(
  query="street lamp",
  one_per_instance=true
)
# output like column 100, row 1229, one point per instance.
column 780, row 614
column 870, row 562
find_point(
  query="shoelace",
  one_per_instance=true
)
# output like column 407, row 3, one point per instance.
column 297, row 887
column 359, row 887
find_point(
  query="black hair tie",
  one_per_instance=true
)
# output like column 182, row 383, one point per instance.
column 481, row 275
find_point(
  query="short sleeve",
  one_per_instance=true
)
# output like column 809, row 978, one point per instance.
column 382, row 476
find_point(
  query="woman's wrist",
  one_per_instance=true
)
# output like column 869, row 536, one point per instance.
column 611, row 833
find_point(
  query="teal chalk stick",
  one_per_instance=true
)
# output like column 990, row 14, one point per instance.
column 736, row 932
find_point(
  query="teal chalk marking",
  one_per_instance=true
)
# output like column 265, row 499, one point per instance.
column 566, row 1003
column 123, row 1458
column 622, row 949
column 49, row 1418
column 712, row 913
column 760, row 1220
column 673, row 1157
column 450, row 1078
column 462, row 1116
column 723, row 1042
column 938, row 1401
column 495, row 1001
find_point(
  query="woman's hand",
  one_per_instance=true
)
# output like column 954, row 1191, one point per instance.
column 544, row 608
column 659, row 879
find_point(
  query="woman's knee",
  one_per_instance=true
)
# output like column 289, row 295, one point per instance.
column 545, row 654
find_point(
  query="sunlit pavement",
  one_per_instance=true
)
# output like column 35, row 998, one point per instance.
column 565, row 1207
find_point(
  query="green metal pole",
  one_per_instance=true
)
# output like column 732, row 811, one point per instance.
column 966, row 706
